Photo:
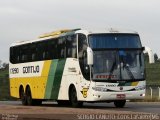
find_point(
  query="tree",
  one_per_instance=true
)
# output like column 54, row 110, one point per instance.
column 5, row 65
column 155, row 57
column 146, row 57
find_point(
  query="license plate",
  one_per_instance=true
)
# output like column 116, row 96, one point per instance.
column 121, row 96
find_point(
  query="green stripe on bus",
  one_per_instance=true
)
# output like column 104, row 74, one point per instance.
column 57, row 79
column 125, row 84
column 51, row 79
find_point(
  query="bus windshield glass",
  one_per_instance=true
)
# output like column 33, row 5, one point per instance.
column 114, row 41
column 114, row 59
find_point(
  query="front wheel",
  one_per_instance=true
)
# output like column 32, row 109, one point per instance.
column 73, row 98
column 119, row 103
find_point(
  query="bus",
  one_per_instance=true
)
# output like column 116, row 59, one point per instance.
column 74, row 66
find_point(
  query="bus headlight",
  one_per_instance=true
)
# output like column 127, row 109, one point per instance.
column 100, row 89
column 140, row 87
column 143, row 95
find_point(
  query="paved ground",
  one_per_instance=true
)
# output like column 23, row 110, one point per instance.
column 13, row 110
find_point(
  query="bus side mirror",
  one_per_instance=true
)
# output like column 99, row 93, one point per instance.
column 143, row 48
column 89, row 56
column 150, row 54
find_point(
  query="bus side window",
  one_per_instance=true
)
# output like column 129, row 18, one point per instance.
column 17, row 54
column 11, row 56
column 52, row 47
column 71, row 46
column 45, row 51
column 24, row 53
column 33, row 53
column 82, row 55
column 82, row 45
column 40, row 50
column 61, row 48
column 14, row 55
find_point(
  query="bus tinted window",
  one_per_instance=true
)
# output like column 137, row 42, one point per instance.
column 71, row 44
column 82, row 55
column 55, row 48
column 61, row 48
column 52, row 47
column 114, row 41
column 32, row 53
column 24, row 53
column 14, row 54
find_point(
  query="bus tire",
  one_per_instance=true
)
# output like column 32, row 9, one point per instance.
column 23, row 96
column 73, row 98
column 119, row 103
column 29, row 96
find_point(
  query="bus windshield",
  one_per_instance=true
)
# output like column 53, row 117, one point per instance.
column 117, row 63
column 114, row 41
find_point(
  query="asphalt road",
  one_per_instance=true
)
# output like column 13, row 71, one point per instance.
column 147, row 107
column 50, row 110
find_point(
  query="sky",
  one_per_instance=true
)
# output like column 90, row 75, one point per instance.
column 27, row 19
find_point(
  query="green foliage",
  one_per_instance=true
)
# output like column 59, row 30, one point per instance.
column 153, row 73
column 4, row 84
column 152, row 70
column 146, row 57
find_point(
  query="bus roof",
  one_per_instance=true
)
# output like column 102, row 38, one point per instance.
column 47, row 36
column 110, row 30
column 65, row 32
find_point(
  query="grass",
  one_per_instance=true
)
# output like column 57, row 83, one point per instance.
column 147, row 99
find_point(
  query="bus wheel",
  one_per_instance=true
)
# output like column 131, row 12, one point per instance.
column 73, row 98
column 29, row 96
column 119, row 103
column 23, row 97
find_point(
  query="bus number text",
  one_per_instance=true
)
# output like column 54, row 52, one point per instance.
column 14, row 70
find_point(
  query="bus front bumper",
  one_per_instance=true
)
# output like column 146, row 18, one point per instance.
column 111, row 96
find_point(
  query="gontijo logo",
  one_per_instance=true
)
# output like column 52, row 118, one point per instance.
column 31, row 69
column 84, row 92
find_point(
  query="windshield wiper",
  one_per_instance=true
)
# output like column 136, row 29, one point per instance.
column 112, row 69
column 128, row 71
column 122, row 55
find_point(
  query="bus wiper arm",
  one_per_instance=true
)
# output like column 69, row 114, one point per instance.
column 112, row 69
column 128, row 71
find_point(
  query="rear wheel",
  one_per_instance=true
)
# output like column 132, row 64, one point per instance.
column 119, row 103
column 73, row 98
column 30, row 100
column 29, row 97
column 23, row 96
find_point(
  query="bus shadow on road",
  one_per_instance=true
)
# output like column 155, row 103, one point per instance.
column 85, row 105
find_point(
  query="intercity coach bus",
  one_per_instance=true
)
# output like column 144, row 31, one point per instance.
column 75, row 66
